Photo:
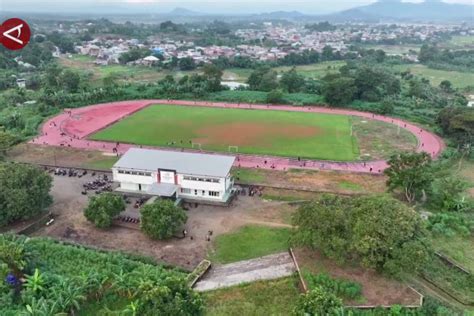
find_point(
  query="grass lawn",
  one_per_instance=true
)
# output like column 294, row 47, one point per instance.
column 315, row 71
column 461, row 249
column 280, row 133
column 104, row 163
column 248, row 175
column 276, row 297
column 351, row 186
column 435, row 76
column 250, row 242
column 461, row 41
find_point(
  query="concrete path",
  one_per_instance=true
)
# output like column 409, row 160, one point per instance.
column 264, row 268
column 71, row 129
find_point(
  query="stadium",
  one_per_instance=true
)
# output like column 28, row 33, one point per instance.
column 278, row 137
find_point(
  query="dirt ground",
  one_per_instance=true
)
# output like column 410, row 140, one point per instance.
column 70, row 224
column 376, row 289
column 320, row 181
column 251, row 134
column 61, row 156
column 316, row 181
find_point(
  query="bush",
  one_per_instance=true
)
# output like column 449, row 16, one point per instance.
column 161, row 219
column 103, row 208
column 340, row 287
column 318, row 302
column 450, row 224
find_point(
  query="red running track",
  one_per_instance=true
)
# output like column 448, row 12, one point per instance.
column 72, row 127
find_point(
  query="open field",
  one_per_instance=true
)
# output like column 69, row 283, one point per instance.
column 315, row 71
column 435, row 76
column 250, row 242
column 395, row 49
column 263, row 132
column 85, row 64
column 276, row 297
column 460, row 42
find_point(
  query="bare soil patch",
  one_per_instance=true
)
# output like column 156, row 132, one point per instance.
column 376, row 289
column 252, row 134
column 71, row 225
column 61, row 156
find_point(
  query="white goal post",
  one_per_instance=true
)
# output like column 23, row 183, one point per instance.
column 198, row 145
column 234, row 149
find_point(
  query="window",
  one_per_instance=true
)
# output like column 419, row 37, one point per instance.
column 120, row 171
column 127, row 172
column 185, row 191
column 195, row 192
column 214, row 193
column 201, row 179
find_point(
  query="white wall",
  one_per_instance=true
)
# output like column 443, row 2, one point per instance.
column 131, row 183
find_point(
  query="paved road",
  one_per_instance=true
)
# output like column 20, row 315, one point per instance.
column 72, row 127
column 264, row 268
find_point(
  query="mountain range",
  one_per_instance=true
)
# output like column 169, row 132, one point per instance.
column 382, row 10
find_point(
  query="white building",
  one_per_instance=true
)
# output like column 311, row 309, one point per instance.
column 190, row 176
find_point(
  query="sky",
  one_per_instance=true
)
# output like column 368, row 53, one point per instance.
column 208, row 6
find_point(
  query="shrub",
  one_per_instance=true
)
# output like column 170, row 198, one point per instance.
column 318, row 302
column 340, row 287
column 450, row 224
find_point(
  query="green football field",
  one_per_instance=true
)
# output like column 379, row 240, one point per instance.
column 266, row 132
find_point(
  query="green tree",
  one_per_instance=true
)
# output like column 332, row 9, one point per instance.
column 7, row 140
column 161, row 219
column 387, row 235
column 446, row 86
column 380, row 231
column 339, row 91
column 323, row 224
column 458, row 123
column 186, row 63
column 263, row 79
column 213, row 75
column 318, row 302
column 411, row 173
column 70, row 80
column 103, row 208
column 275, row 96
column 291, row 81
column 24, row 192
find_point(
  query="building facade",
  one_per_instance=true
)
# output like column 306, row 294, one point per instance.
column 190, row 176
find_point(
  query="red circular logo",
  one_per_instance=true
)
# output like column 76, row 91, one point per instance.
column 15, row 34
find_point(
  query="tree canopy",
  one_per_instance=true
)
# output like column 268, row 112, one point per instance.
column 103, row 208
column 161, row 219
column 379, row 231
column 24, row 192
column 411, row 173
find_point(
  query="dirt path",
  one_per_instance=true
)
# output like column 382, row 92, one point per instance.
column 72, row 127
column 264, row 268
